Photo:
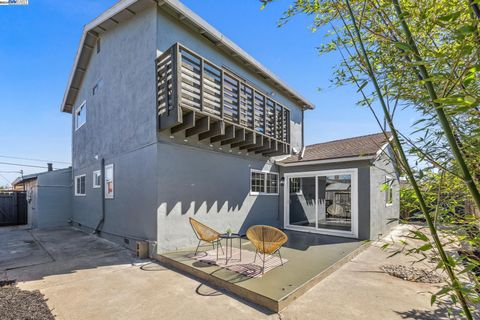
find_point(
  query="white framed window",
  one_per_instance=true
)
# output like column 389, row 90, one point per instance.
column 97, row 179
column 81, row 115
column 295, row 185
column 263, row 182
column 80, row 185
column 388, row 191
column 109, row 183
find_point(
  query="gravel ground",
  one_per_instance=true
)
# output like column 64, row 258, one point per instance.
column 412, row 274
column 16, row 304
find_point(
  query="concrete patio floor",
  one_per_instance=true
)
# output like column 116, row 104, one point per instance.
column 311, row 257
column 84, row 277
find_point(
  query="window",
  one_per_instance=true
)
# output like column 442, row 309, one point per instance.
column 97, row 176
column 263, row 182
column 388, row 191
column 109, row 181
column 272, row 182
column 295, row 185
column 80, row 185
column 81, row 115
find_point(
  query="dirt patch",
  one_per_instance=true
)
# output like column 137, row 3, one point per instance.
column 16, row 304
column 412, row 274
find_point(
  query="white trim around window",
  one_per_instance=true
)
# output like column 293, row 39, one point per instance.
column 97, row 179
column 266, row 184
column 109, row 181
column 80, row 184
column 353, row 172
column 78, row 111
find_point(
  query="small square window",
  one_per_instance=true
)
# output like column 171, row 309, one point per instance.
column 81, row 115
column 263, row 182
column 295, row 185
column 97, row 179
column 80, row 185
column 109, row 186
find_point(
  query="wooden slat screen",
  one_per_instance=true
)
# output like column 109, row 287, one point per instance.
column 259, row 112
column 231, row 98
column 279, row 121
column 190, row 80
column 246, row 106
column 165, row 83
column 270, row 118
column 211, row 89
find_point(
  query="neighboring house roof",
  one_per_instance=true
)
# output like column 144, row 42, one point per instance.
column 356, row 148
column 34, row 176
column 25, row 178
column 125, row 9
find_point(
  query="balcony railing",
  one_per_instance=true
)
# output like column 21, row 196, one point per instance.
column 200, row 98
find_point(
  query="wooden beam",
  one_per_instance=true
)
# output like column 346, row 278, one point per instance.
column 239, row 137
column 229, row 134
column 201, row 125
column 258, row 143
column 174, row 118
column 281, row 150
column 273, row 148
column 266, row 145
column 217, row 128
column 250, row 139
column 188, row 121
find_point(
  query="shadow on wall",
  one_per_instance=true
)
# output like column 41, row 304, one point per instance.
column 237, row 212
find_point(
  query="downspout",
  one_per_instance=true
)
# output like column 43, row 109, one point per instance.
column 102, row 220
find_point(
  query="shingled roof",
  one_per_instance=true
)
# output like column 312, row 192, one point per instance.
column 363, row 146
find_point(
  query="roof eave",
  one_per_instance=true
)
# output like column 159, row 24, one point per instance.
column 203, row 27
column 325, row 161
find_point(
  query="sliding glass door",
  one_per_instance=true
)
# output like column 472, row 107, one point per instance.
column 323, row 202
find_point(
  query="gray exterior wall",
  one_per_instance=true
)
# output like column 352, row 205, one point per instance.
column 211, row 187
column 363, row 190
column 54, row 199
column 381, row 214
column 49, row 199
column 120, row 128
column 160, row 180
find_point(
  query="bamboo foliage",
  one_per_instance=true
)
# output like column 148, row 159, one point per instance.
column 421, row 55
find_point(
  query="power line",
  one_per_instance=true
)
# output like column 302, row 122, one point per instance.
column 1, row 175
column 23, row 165
column 31, row 159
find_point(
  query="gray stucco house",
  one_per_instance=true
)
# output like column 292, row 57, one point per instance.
column 170, row 119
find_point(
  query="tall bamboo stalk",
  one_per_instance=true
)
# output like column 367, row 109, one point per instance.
column 408, row 171
column 442, row 117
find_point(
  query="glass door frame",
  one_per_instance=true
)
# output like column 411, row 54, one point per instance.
column 353, row 172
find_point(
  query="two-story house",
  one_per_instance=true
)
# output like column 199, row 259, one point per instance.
column 170, row 119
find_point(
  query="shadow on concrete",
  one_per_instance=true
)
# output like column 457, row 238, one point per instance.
column 27, row 255
column 440, row 313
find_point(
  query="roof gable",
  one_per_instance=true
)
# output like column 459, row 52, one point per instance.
column 125, row 9
column 362, row 146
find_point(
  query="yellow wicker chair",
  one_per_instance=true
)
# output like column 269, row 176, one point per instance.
column 266, row 240
column 205, row 234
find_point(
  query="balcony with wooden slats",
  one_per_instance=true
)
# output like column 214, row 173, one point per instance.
column 197, row 97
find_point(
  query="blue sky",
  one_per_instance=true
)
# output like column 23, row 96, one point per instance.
column 38, row 43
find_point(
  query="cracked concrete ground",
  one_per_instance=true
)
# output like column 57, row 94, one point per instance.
column 85, row 277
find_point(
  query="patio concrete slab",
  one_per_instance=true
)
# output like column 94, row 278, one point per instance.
column 311, row 257
column 112, row 284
